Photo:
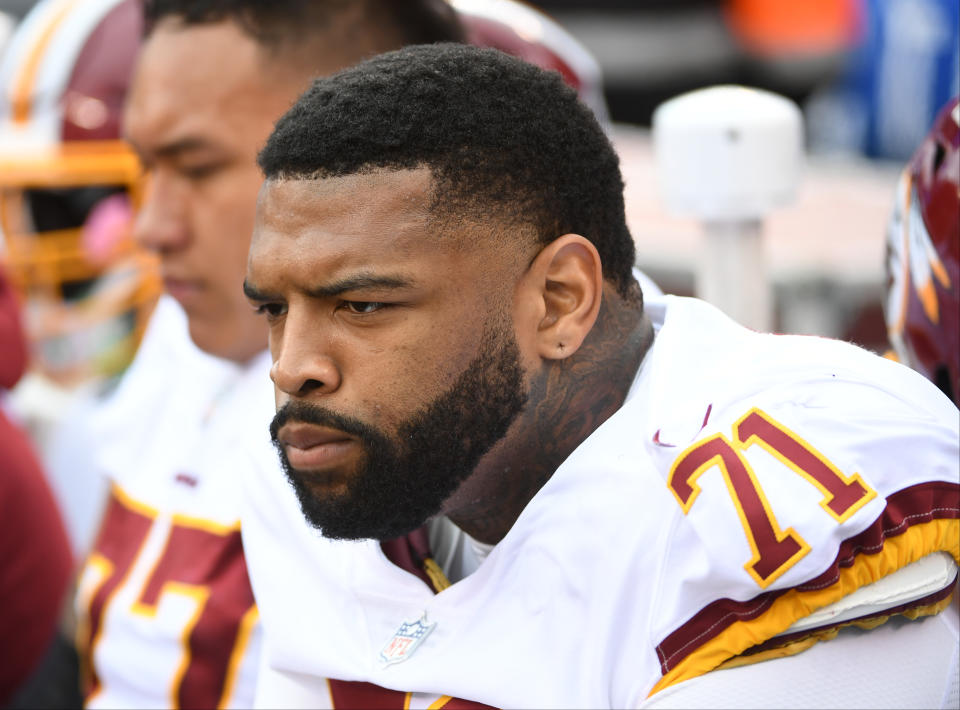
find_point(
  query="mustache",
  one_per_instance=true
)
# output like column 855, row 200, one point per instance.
column 321, row 416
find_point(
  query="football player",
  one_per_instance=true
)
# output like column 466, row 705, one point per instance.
column 535, row 489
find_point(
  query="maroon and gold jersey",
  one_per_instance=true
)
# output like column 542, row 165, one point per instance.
column 166, row 614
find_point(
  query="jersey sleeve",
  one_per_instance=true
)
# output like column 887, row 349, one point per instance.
column 901, row 664
column 794, row 499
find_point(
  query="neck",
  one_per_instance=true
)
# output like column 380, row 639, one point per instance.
column 568, row 400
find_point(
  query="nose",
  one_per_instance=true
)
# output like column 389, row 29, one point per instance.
column 302, row 365
column 160, row 223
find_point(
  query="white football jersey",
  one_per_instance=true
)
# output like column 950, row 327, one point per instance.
column 166, row 614
column 748, row 481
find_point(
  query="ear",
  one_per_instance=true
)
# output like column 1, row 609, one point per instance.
column 568, row 283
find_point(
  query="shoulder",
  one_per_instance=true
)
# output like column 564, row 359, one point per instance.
column 801, row 470
column 703, row 359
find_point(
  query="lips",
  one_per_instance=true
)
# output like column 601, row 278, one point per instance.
column 309, row 446
column 181, row 289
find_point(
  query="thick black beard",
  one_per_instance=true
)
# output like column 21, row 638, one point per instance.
column 402, row 482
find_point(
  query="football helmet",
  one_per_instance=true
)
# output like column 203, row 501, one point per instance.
column 923, row 257
column 533, row 36
column 68, row 187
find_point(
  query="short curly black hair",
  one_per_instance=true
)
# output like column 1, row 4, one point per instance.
column 503, row 139
column 275, row 23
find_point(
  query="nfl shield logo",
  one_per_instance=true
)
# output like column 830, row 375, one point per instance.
column 405, row 641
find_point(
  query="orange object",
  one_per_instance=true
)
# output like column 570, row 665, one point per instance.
column 792, row 27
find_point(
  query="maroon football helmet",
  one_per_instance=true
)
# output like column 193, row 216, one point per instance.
column 923, row 257
column 531, row 35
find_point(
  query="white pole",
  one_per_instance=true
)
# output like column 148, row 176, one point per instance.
column 731, row 274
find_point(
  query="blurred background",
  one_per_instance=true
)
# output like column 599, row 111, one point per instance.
column 868, row 77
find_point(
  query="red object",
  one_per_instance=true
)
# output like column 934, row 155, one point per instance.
column 494, row 32
column 13, row 343
column 533, row 36
column 923, row 263
column 102, row 72
column 35, row 559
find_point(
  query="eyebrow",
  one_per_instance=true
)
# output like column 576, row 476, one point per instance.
column 351, row 283
column 255, row 294
column 178, row 147
column 360, row 281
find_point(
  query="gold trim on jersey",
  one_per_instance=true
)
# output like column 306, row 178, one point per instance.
column 791, row 648
column 205, row 524
column 198, row 593
column 436, row 575
column 247, row 625
column 103, row 571
column 132, row 503
column 102, row 562
column 916, row 542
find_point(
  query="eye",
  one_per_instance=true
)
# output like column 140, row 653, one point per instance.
column 200, row 171
column 363, row 307
column 271, row 311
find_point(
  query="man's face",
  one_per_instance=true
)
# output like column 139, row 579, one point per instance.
column 395, row 362
column 203, row 102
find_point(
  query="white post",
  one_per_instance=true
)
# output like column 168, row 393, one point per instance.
column 727, row 155
column 732, row 275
